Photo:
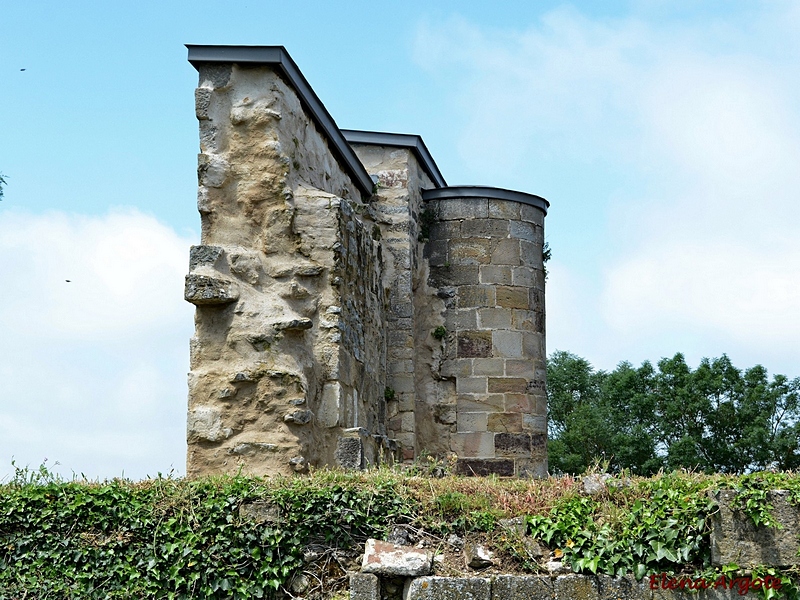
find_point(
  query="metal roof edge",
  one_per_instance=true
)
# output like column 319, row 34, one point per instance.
column 400, row 140
column 278, row 57
column 478, row 191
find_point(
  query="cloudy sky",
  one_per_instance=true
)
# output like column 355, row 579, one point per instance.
column 666, row 136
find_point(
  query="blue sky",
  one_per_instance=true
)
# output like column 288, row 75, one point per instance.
column 665, row 134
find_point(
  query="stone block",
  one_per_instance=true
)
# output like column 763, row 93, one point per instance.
column 202, row 256
column 458, row 367
column 480, row 402
column 497, row 274
column 463, row 208
column 570, row 587
column 476, row 296
column 520, row 403
column 530, row 255
column 453, row 275
column 526, row 277
column 503, row 467
column 202, row 102
column 474, row 344
column 436, row 253
column 466, row 319
column 520, row 368
column 445, row 230
column 471, row 421
column 384, row 558
column 512, row 444
column 471, row 385
column 539, row 442
column 523, row 231
column 531, row 214
column 524, row 320
column 364, row 586
column 205, row 423
column 537, row 423
column 291, row 325
column 403, row 383
column 505, row 422
column 484, row 228
column 503, row 209
column 299, row 417
column 533, row 344
column 494, row 318
column 468, row 252
column 735, row 539
column 479, row 444
column 536, row 300
column 507, row 252
column 513, row 297
column 528, row 587
column 488, row 367
column 448, row 588
column 349, row 453
column 506, row 344
column 478, row 556
column 202, row 290
column 253, row 448
column 505, row 385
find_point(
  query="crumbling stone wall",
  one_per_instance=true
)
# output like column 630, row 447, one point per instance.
column 317, row 293
column 397, row 206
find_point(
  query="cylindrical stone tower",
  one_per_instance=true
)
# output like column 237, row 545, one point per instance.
column 485, row 249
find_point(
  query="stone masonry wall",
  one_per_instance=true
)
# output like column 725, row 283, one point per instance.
column 267, row 355
column 396, row 207
column 317, row 302
column 485, row 260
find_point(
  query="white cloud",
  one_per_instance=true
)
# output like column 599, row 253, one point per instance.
column 691, row 129
column 92, row 371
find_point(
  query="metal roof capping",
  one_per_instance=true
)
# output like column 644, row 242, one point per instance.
column 400, row 140
column 278, row 58
column 493, row 193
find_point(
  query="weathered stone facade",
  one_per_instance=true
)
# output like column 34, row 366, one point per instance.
column 352, row 308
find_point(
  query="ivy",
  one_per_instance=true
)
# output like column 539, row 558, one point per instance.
column 169, row 538
column 663, row 526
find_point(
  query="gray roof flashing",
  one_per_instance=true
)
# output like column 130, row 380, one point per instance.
column 278, row 58
column 479, row 191
column 399, row 140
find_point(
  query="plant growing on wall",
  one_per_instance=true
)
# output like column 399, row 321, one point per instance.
column 426, row 219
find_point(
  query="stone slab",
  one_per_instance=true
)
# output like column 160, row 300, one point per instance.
column 448, row 588
column 735, row 539
column 364, row 586
column 384, row 558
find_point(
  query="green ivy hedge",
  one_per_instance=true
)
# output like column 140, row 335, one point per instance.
column 169, row 538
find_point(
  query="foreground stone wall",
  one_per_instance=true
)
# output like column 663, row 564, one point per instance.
column 530, row 587
column 321, row 298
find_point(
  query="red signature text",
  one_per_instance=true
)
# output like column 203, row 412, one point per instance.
column 741, row 584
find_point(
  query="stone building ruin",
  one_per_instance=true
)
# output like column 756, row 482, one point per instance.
column 351, row 307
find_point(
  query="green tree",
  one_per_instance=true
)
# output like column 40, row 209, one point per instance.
column 2, row 185
column 715, row 418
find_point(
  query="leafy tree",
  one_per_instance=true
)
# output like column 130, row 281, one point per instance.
column 715, row 418
column 2, row 184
